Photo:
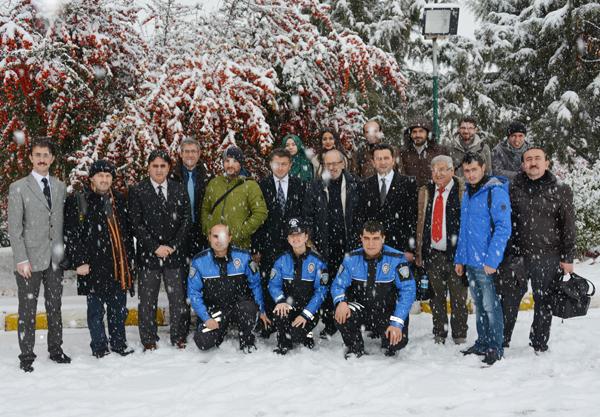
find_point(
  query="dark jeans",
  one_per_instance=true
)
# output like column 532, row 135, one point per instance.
column 116, row 313
column 148, row 289
column 28, row 291
column 543, row 271
column 287, row 335
column 243, row 314
column 511, row 287
column 376, row 321
column 444, row 280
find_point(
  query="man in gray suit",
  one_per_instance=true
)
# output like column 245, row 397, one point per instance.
column 35, row 226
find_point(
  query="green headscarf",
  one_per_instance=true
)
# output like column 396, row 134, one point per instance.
column 301, row 166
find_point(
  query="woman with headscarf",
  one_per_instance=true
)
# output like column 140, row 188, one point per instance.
column 329, row 139
column 301, row 166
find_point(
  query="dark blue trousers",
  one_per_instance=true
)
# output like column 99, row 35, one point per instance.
column 116, row 309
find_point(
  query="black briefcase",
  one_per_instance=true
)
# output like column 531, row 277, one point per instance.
column 571, row 298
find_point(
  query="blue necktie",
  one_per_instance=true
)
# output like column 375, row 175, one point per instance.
column 190, row 190
column 281, row 197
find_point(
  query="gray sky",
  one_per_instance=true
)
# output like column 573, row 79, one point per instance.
column 466, row 23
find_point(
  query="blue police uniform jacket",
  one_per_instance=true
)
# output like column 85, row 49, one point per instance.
column 213, row 286
column 485, row 225
column 392, row 289
column 301, row 286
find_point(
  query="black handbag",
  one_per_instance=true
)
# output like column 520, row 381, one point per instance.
column 570, row 298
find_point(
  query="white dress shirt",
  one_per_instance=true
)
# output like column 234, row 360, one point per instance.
column 285, row 181
column 442, row 244
column 388, row 180
column 39, row 178
column 164, row 187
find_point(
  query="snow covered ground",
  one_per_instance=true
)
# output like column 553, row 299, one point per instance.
column 424, row 380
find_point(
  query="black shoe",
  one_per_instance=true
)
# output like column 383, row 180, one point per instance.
column 124, row 351
column 309, row 341
column 60, row 358
column 491, row 357
column 101, row 353
column 327, row 332
column 249, row 348
column 539, row 348
column 354, row 353
column 473, row 350
column 389, row 352
column 506, row 344
column 266, row 333
column 281, row 350
column 26, row 366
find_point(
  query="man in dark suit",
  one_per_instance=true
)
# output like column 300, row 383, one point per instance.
column 191, row 173
column 159, row 211
column 391, row 199
column 35, row 227
column 284, row 196
column 439, row 226
column 329, row 213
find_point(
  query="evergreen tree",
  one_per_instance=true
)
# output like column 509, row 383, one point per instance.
column 545, row 55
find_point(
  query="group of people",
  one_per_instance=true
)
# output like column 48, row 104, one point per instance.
column 339, row 237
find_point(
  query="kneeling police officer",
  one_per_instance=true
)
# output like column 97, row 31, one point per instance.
column 374, row 288
column 298, row 286
column 224, row 288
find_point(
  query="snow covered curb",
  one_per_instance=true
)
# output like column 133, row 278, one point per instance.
column 74, row 307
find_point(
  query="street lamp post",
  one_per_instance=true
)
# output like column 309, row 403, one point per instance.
column 439, row 20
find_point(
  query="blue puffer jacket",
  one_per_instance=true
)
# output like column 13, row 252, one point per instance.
column 485, row 225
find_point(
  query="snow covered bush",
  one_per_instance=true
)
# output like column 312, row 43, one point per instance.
column 62, row 74
column 248, row 74
column 584, row 180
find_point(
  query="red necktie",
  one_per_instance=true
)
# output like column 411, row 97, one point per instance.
column 438, row 216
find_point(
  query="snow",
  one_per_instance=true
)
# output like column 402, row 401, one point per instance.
column 423, row 380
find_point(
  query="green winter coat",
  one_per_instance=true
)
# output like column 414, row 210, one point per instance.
column 244, row 209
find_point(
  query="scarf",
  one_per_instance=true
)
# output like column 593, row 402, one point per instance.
column 120, row 262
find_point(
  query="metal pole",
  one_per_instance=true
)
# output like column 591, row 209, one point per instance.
column 436, row 122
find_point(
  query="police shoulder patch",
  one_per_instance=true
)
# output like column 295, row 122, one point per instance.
column 192, row 271
column 237, row 263
column 385, row 268
column 324, row 278
column 403, row 272
column 254, row 267
column 311, row 267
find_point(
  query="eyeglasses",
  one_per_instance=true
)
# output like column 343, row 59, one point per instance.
column 440, row 170
column 333, row 164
